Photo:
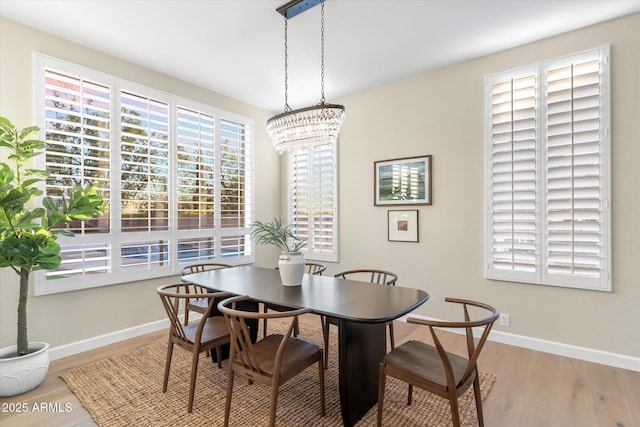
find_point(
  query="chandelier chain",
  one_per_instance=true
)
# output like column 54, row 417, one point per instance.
column 286, row 68
column 321, row 51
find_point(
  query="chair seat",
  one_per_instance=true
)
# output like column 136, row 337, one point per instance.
column 418, row 362
column 298, row 355
column 215, row 329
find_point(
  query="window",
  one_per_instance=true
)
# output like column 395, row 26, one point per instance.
column 548, row 173
column 313, row 200
column 176, row 175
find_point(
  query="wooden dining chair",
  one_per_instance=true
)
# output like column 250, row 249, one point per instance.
column 272, row 360
column 199, row 304
column 208, row 333
column 363, row 275
column 436, row 370
column 309, row 268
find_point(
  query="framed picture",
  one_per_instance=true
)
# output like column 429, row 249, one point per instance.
column 405, row 181
column 403, row 226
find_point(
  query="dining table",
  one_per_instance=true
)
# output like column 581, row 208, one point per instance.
column 362, row 310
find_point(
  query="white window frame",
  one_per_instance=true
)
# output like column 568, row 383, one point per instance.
column 541, row 274
column 315, row 230
column 115, row 237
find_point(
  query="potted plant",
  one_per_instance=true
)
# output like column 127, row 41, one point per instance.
column 291, row 261
column 28, row 243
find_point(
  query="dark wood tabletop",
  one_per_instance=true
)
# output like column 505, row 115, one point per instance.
column 326, row 295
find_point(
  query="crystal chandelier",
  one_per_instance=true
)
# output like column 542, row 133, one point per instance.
column 311, row 126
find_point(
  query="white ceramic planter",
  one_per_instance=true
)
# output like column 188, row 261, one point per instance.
column 291, row 266
column 21, row 374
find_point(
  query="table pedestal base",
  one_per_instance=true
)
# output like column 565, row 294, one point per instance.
column 362, row 346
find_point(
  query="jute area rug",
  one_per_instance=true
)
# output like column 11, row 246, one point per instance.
column 126, row 390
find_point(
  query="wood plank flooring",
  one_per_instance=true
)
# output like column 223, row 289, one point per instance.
column 533, row 389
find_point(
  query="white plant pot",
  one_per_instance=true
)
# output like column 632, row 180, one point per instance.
column 21, row 374
column 291, row 266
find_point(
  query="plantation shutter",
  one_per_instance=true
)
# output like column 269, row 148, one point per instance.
column 196, row 169
column 548, row 174
column 195, row 185
column 77, row 117
column 144, row 181
column 574, row 167
column 236, row 187
column 313, row 200
column 513, row 177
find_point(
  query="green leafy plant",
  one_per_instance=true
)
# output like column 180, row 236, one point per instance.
column 275, row 233
column 28, row 234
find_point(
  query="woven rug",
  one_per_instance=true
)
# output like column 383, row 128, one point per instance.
column 126, row 390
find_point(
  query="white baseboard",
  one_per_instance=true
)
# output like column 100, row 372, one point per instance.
column 106, row 339
column 560, row 349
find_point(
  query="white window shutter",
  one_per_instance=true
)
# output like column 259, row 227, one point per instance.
column 313, row 200
column 77, row 125
column 575, row 151
column 548, row 173
column 513, row 176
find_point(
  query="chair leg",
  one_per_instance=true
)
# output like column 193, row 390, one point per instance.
column 455, row 415
column 476, row 391
column 381, row 385
column 219, row 357
column 194, row 373
column 167, row 366
column 325, row 335
column 227, row 406
column 410, row 394
column 296, row 327
column 321, row 373
column 264, row 322
column 391, row 336
column 273, row 402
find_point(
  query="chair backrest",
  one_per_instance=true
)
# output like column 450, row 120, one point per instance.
column 204, row 266
column 314, row 268
column 370, row 275
column 242, row 351
column 473, row 349
column 174, row 299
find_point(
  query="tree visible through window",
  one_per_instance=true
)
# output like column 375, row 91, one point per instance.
column 179, row 174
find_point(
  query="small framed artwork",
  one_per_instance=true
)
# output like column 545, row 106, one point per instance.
column 403, row 226
column 405, row 181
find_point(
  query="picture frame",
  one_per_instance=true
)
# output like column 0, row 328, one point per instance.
column 403, row 181
column 402, row 225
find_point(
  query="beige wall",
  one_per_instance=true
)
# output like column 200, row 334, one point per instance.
column 73, row 316
column 441, row 113
column 438, row 113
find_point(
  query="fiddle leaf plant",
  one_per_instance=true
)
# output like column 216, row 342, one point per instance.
column 28, row 234
column 275, row 233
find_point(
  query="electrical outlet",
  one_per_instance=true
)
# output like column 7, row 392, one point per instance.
column 504, row 319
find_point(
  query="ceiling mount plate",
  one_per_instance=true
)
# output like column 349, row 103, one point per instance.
column 296, row 7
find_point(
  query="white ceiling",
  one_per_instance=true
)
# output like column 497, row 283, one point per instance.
column 236, row 47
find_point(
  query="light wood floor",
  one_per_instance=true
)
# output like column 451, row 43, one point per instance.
column 532, row 388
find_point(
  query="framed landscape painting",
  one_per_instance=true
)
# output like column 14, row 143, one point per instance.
column 405, row 181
